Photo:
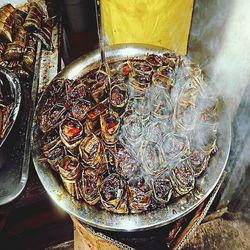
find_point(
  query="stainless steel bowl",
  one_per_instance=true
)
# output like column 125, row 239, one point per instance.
column 132, row 222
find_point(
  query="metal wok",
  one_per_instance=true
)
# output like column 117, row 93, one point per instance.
column 132, row 222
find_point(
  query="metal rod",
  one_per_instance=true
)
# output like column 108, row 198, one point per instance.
column 100, row 30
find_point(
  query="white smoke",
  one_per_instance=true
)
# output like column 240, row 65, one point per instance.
column 219, row 42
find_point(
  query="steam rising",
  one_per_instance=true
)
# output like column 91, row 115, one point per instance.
column 160, row 125
column 219, row 42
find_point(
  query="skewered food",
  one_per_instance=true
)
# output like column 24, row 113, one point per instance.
column 141, row 132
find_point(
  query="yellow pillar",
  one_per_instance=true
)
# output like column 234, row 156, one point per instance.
column 165, row 23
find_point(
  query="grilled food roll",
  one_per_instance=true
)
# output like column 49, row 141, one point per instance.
column 8, row 8
column 70, row 171
column 182, row 178
column 175, row 147
column 140, row 83
column 110, row 124
column 200, row 155
column 172, row 60
column 50, row 139
column 80, row 109
column 33, row 21
column 76, row 90
column 6, row 27
column 142, row 108
column 162, row 107
column 45, row 34
column 19, row 17
column 113, row 193
column 162, row 190
column 164, row 78
column 153, row 158
column 71, row 132
column 55, row 155
column 119, row 98
column 93, row 117
column 90, row 182
column 29, row 56
column 154, row 60
column 16, row 49
column 142, row 68
column 52, row 117
column 90, row 150
column 127, row 166
column 139, row 195
column 99, row 91
column 132, row 128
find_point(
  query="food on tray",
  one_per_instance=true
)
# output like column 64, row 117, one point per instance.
column 19, row 33
column 132, row 139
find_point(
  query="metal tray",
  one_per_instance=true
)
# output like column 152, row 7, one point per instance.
column 15, row 151
column 15, row 92
column 138, row 222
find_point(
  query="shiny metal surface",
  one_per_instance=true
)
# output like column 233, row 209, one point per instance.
column 15, row 152
column 138, row 222
column 15, row 92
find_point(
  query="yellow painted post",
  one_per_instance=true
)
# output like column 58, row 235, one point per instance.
column 165, row 23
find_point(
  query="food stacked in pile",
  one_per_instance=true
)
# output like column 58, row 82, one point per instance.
column 19, row 31
column 133, row 137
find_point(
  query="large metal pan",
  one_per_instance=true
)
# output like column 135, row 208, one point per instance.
column 110, row 221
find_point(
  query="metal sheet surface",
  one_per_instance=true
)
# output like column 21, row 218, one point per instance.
column 15, row 151
column 15, row 93
column 132, row 222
